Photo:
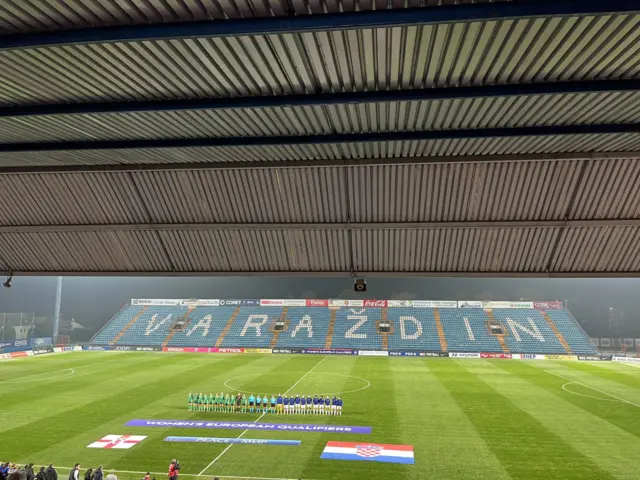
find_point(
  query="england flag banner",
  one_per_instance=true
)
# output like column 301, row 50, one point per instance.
column 368, row 452
column 117, row 441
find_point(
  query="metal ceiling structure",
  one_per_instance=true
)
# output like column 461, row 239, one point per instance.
column 316, row 137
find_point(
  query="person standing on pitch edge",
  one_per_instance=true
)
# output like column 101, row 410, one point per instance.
column 75, row 473
column 174, row 466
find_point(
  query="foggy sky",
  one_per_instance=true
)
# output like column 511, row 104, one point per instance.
column 92, row 301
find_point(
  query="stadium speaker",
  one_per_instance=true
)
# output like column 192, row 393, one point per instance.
column 7, row 283
column 360, row 285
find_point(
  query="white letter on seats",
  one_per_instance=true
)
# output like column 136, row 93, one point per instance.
column 534, row 332
column 304, row 323
column 205, row 323
column 261, row 320
column 152, row 326
column 351, row 333
column 469, row 331
column 403, row 329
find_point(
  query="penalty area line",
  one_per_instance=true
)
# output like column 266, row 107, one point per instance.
column 594, row 389
column 260, row 417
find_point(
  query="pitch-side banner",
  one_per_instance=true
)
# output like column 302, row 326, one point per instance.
column 346, row 303
column 399, row 303
column 548, row 305
column 158, row 302
column 469, row 304
column 500, row 304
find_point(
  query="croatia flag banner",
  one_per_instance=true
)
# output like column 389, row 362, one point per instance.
column 117, row 441
column 368, row 452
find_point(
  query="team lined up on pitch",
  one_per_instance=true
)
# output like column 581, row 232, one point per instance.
column 282, row 404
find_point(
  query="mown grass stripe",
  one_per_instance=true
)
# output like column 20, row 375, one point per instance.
column 611, row 448
column 60, row 426
column 379, row 400
column 623, row 415
column 540, row 455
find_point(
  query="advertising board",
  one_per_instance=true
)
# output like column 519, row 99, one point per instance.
column 332, row 351
column 268, row 302
column 375, row 304
column 496, row 355
column 561, row 357
column 281, row 350
column 258, row 350
column 548, row 305
column 204, row 302
column 463, row 355
column 157, row 302
column 501, row 304
column 313, row 302
column 469, row 304
column 404, row 354
column 422, row 304
column 590, row 358
column 527, row 356
column 400, row 303
column 373, row 353
column 626, row 359
column 239, row 303
column 445, row 304
column 97, row 347
column 346, row 303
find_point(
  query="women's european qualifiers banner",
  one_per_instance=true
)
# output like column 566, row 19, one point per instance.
column 249, row 426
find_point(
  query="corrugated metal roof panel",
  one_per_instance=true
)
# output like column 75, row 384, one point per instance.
column 609, row 189
column 462, row 192
column 535, row 190
column 23, row 16
column 454, row 114
column 604, row 249
column 59, row 199
column 623, row 142
column 245, row 196
column 474, row 53
column 258, row 251
column 453, row 250
column 125, row 251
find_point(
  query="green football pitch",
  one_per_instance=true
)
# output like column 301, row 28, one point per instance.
column 467, row 419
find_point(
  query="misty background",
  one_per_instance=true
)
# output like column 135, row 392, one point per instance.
column 604, row 307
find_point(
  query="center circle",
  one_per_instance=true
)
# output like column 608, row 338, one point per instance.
column 365, row 383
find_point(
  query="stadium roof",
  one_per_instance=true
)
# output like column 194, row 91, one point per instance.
column 320, row 137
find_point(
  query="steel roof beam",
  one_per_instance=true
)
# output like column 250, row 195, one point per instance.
column 325, row 22
column 339, row 98
column 321, row 139
column 321, row 273
column 343, row 163
column 156, row 227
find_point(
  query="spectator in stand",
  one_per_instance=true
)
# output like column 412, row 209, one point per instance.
column 89, row 474
column 51, row 473
column 30, row 474
column 4, row 470
column 75, row 473
column 41, row 475
column 112, row 476
column 97, row 475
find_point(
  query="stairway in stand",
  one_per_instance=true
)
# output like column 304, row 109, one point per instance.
column 276, row 333
column 128, row 325
column 174, row 331
column 441, row 336
column 555, row 330
column 332, row 325
column 385, row 335
column 503, row 344
column 227, row 327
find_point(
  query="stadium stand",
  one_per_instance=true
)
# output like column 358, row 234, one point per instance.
column 499, row 330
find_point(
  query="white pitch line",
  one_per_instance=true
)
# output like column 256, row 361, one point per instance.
column 182, row 474
column 258, row 419
column 595, row 389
